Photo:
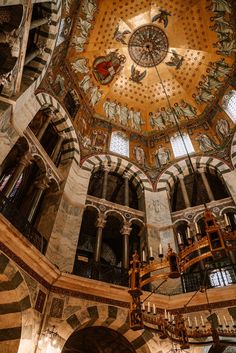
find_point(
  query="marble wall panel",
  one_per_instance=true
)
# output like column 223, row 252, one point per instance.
column 64, row 238
column 230, row 180
column 8, row 134
column 157, row 208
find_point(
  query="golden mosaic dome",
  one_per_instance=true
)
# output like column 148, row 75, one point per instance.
column 129, row 56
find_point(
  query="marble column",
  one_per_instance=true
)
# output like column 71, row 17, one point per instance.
column 105, row 180
column 44, row 126
column 206, row 184
column 39, row 22
column 184, row 191
column 101, row 222
column 57, row 148
column 24, row 162
column 63, row 216
column 126, row 178
column 40, row 186
column 126, row 233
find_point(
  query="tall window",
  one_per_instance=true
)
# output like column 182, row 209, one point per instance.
column 229, row 105
column 178, row 146
column 119, row 143
column 220, row 278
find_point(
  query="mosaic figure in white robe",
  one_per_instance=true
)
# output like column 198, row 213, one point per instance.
column 188, row 110
column 85, row 84
column 95, row 95
column 110, row 109
column 124, row 115
column 221, row 6
column 89, row 8
column 79, row 41
column 80, row 65
column 84, row 26
column 137, row 120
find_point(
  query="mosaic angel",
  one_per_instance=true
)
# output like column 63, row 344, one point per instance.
column 162, row 17
column 176, row 60
column 120, row 36
column 136, row 75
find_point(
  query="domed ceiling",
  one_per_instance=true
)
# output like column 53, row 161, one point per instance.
column 129, row 55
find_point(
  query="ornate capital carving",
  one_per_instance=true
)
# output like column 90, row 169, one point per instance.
column 126, row 175
column 126, row 229
column 42, row 183
column 26, row 159
column 101, row 221
column 106, row 168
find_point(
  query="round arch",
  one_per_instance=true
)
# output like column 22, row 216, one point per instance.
column 120, row 166
column 209, row 164
column 62, row 120
column 55, row 8
column 107, row 316
column 21, row 332
column 233, row 151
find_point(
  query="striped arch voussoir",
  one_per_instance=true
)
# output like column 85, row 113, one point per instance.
column 16, row 304
column 63, row 123
column 169, row 176
column 233, row 151
column 119, row 166
column 109, row 316
column 40, row 64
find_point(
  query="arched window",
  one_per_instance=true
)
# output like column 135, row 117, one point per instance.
column 119, row 143
column 229, row 105
column 179, row 148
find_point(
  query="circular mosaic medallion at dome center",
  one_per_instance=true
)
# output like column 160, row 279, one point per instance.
column 148, row 46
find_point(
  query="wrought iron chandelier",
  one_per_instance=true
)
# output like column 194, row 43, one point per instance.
column 177, row 325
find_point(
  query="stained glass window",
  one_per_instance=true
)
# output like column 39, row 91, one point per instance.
column 179, row 148
column 229, row 105
column 119, row 143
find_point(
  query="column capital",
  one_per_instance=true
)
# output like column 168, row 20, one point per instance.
column 126, row 229
column 181, row 176
column 101, row 221
column 26, row 159
column 126, row 175
column 201, row 170
column 42, row 183
column 106, row 168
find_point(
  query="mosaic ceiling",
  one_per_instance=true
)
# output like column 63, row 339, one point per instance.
column 128, row 55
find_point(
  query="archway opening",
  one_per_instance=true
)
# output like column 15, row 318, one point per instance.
column 97, row 339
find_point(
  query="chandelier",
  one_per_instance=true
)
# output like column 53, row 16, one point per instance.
column 216, row 243
column 49, row 340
